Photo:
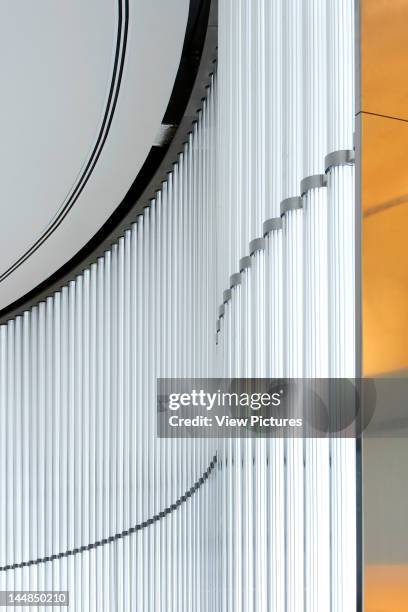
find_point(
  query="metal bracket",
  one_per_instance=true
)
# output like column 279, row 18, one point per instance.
column 226, row 296
column 235, row 279
column 272, row 225
column 312, row 182
column 258, row 244
column 291, row 204
column 244, row 263
column 339, row 158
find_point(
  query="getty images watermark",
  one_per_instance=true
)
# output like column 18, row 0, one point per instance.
column 301, row 408
column 218, row 401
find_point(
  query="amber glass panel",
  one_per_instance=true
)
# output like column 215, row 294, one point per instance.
column 384, row 91
column 384, row 56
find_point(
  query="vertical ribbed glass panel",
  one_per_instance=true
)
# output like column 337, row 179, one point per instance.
column 225, row 73
column 316, row 298
column 293, row 292
column 258, row 321
column 273, row 120
column 250, row 119
column 274, row 302
column 296, row 50
column 260, row 445
column 293, row 368
column 317, row 461
column 342, row 356
column 275, row 471
column 342, row 364
column 258, row 207
column 292, row 98
column 315, row 86
column 340, row 42
column 93, row 501
column 316, row 281
column 292, row 289
column 84, row 475
column 276, row 539
column 275, row 449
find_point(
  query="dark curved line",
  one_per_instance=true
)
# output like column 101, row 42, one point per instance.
column 121, row 534
column 196, row 66
column 121, row 45
column 363, row 112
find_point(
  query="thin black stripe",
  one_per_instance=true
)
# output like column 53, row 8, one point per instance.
column 383, row 116
column 121, row 534
column 116, row 80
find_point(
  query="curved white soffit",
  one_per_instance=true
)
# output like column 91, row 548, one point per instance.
column 68, row 154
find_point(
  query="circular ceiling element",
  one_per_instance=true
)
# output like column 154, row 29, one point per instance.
column 87, row 88
column 84, row 174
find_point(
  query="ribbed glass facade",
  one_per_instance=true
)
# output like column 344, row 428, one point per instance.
column 243, row 265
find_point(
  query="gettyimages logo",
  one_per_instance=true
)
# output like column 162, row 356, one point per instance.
column 301, row 408
column 254, row 401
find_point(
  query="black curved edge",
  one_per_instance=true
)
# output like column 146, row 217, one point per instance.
column 196, row 66
column 122, row 534
column 114, row 88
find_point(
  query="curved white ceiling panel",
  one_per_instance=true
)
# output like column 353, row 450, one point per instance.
column 85, row 87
